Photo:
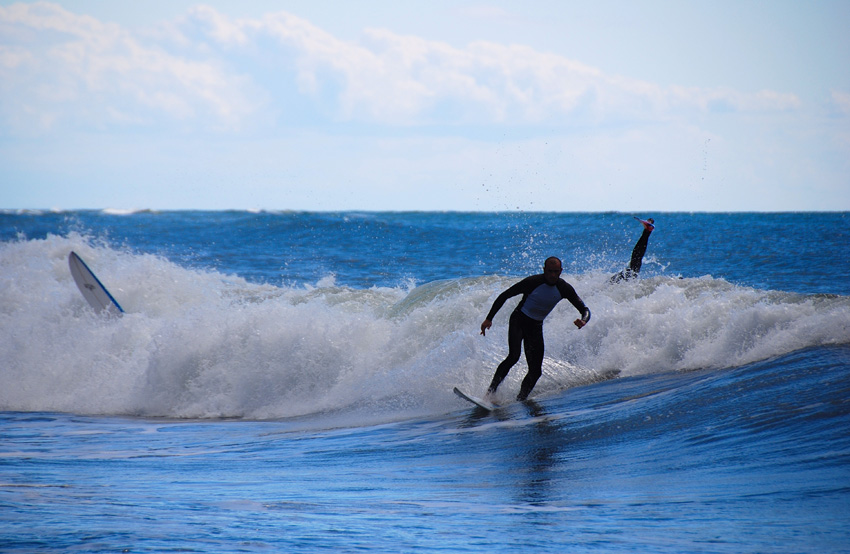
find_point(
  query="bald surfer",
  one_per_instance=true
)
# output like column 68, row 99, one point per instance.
column 540, row 293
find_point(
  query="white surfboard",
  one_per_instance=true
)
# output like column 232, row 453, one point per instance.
column 91, row 287
column 480, row 402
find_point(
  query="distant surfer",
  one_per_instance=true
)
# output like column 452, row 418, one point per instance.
column 539, row 293
column 637, row 254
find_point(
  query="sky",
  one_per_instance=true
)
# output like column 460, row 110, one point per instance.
column 463, row 105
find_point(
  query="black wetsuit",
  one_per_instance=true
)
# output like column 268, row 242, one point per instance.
column 526, row 325
column 637, row 259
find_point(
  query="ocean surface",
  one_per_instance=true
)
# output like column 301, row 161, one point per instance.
column 282, row 382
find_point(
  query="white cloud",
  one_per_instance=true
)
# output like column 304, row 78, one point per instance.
column 71, row 68
column 727, row 100
column 391, row 78
column 218, row 26
column 198, row 76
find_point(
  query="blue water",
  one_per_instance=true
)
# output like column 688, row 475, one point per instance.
column 281, row 382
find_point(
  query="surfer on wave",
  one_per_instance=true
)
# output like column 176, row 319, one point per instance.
column 540, row 294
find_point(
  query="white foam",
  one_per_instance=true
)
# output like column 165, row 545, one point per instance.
column 123, row 211
column 205, row 344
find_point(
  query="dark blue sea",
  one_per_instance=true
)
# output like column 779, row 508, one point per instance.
column 282, row 382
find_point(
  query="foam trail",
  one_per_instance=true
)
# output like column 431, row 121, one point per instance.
column 205, row 344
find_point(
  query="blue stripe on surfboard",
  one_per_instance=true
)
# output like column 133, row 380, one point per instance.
column 74, row 256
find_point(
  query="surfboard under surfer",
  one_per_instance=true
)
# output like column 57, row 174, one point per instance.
column 540, row 293
column 637, row 253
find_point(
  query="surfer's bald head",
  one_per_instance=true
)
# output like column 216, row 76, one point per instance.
column 552, row 269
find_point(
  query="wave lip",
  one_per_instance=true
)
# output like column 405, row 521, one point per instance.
column 127, row 211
